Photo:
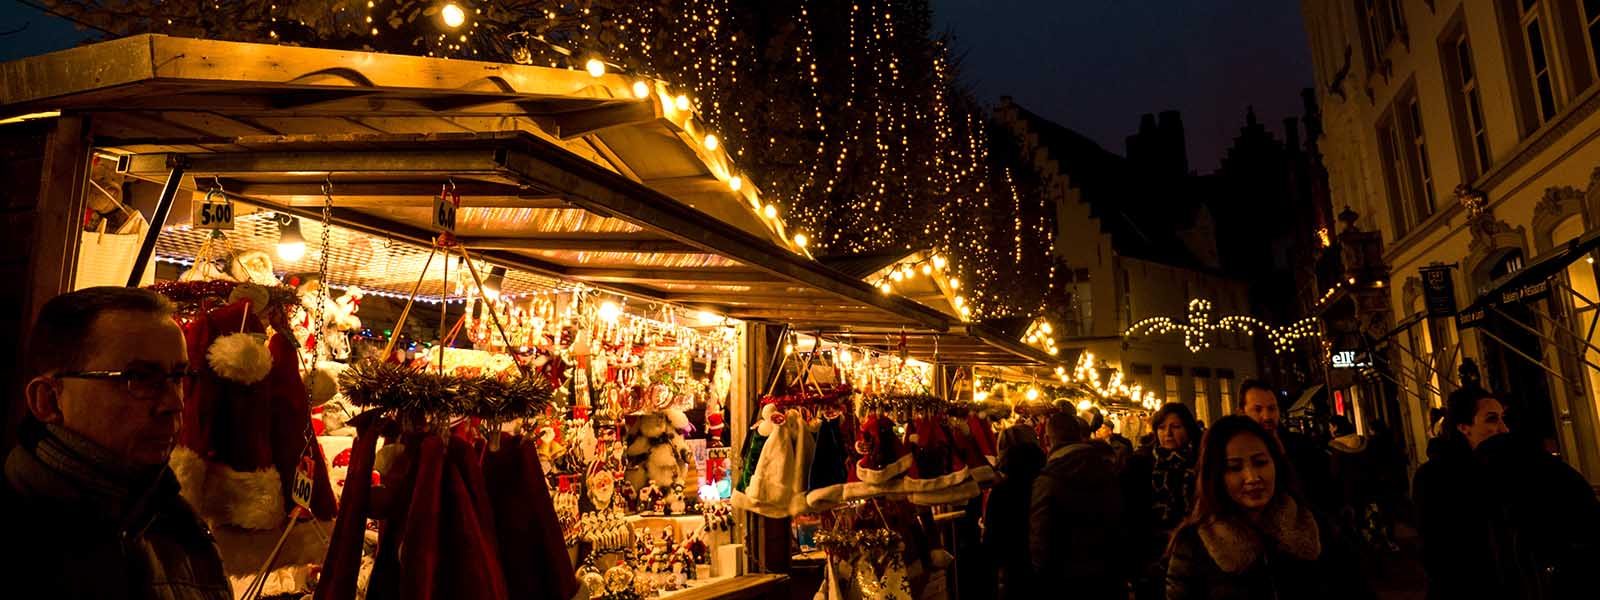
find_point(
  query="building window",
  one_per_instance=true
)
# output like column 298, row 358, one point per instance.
column 1536, row 59
column 1202, row 391
column 1380, row 28
column 1225, row 390
column 1591, row 30
column 1173, row 378
column 1410, row 181
column 1467, row 104
column 1584, row 291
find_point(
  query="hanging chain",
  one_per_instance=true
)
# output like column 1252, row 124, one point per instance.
column 322, row 267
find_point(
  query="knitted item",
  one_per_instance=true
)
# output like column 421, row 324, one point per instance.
column 825, row 483
column 777, row 488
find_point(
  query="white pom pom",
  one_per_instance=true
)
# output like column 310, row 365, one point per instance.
column 323, row 382
column 241, row 357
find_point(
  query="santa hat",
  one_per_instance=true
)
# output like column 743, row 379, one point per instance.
column 935, row 464
column 825, row 486
column 883, row 457
column 967, row 447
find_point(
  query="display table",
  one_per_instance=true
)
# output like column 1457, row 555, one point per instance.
column 754, row 585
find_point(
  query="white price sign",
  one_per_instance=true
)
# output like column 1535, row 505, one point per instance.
column 444, row 212
column 212, row 212
column 303, row 484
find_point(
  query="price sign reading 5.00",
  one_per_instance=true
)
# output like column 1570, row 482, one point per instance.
column 213, row 212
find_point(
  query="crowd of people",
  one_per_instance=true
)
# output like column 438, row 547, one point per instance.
column 1242, row 508
column 1246, row 508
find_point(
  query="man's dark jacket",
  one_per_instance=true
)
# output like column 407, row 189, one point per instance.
column 79, row 525
column 1076, row 537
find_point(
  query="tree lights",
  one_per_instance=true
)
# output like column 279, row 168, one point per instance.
column 1198, row 329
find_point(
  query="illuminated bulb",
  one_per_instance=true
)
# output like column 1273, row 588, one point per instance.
column 1084, row 405
column 735, row 183
column 1052, row 351
column 844, row 356
column 801, row 240
column 927, row 269
column 641, row 90
column 955, row 284
column 610, row 311
column 708, row 318
column 1033, row 393
column 980, row 396
column 788, row 348
column 771, row 211
column 1352, row 281
column 1046, row 328
column 596, row 68
column 291, row 251
column 938, row 262
column 1590, row 259
column 711, row 142
column 682, row 102
column 885, row 287
column 895, row 275
column 453, row 15
column 959, row 301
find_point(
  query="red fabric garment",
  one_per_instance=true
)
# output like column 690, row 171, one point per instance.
column 199, row 393
column 290, row 420
column 342, row 566
column 241, row 432
column 384, row 583
column 419, row 547
column 468, row 565
column 532, row 551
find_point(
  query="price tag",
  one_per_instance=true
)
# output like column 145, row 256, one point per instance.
column 213, row 212
column 302, row 483
column 444, row 212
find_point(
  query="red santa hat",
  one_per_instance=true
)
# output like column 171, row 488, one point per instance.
column 883, row 457
column 935, row 463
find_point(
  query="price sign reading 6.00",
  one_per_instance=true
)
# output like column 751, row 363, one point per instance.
column 212, row 212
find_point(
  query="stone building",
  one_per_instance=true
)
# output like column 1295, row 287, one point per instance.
column 1461, row 137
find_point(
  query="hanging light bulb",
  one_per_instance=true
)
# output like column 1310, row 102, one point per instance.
column 706, row 317
column 735, row 183
column 291, row 245
column 885, row 288
column 955, row 284
column 610, row 312
column 452, row 15
column 682, row 102
column 595, row 67
column 801, row 240
column 710, row 142
column 938, row 262
column 771, row 211
column 1033, row 393
column 641, row 90
column 927, row 269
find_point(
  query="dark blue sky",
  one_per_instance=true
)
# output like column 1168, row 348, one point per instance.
column 1092, row 65
column 1096, row 65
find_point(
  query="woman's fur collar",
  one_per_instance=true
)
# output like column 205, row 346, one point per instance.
column 1236, row 544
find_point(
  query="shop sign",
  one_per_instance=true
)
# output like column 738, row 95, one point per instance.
column 1527, row 292
column 1350, row 359
column 1438, row 291
column 1470, row 318
column 212, row 212
column 444, row 211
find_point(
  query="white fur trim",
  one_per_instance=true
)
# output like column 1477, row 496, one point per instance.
column 888, row 472
column 241, row 357
column 825, row 497
column 744, row 502
column 955, row 494
column 190, row 470
column 248, row 499
column 930, row 484
column 244, row 550
column 984, row 475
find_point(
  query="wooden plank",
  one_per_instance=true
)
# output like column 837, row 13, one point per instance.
column 591, row 242
column 60, row 209
column 584, row 122
column 397, row 194
column 696, row 275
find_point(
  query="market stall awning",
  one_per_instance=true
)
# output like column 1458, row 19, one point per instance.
column 564, row 176
column 1529, row 281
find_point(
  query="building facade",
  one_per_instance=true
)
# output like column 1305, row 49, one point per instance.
column 1133, row 241
column 1465, row 134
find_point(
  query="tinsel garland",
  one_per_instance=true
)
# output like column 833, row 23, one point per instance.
column 903, row 402
column 849, row 544
column 190, row 294
column 416, row 391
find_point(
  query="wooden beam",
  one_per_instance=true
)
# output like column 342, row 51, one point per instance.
column 584, row 122
column 394, row 195
column 590, row 242
column 668, row 275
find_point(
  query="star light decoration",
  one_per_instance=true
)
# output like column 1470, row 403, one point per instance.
column 1200, row 326
column 1088, row 373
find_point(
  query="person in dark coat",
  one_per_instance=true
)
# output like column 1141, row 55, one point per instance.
column 1158, row 486
column 1452, row 517
column 92, row 510
column 1005, row 516
column 1307, row 456
column 1077, row 535
column 1544, row 520
column 1250, row 536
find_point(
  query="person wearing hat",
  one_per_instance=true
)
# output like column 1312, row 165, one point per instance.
column 1076, row 535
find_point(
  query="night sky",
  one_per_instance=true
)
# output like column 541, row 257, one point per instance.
column 1092, row 65
column 1096, row 65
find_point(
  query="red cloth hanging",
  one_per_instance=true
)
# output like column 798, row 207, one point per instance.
column 419, row 544
column 532, row 551
column 342, row 566
column 469, row 561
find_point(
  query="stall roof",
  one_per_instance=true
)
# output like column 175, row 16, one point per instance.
column 563, row 175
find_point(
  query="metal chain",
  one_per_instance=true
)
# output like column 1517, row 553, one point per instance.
column 322, row 269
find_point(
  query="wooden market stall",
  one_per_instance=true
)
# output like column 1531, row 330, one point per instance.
column 609, row 182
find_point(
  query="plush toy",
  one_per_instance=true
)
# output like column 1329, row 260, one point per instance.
column 657, row 455
column 338, row 318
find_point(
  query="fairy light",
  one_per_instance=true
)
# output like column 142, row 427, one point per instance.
column 1200, row 327
column 452, row 15
column 597, row 68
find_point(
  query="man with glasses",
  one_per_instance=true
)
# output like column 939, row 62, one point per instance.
column 90, row 509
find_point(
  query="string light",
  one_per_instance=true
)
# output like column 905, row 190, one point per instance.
column 1197, row 331
column 597, row 68
column 452, row 15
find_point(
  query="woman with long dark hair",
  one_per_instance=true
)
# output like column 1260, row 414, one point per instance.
column 1250, row 534
column 1158, row 487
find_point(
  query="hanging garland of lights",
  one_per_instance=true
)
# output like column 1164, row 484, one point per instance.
column 1199, row 327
